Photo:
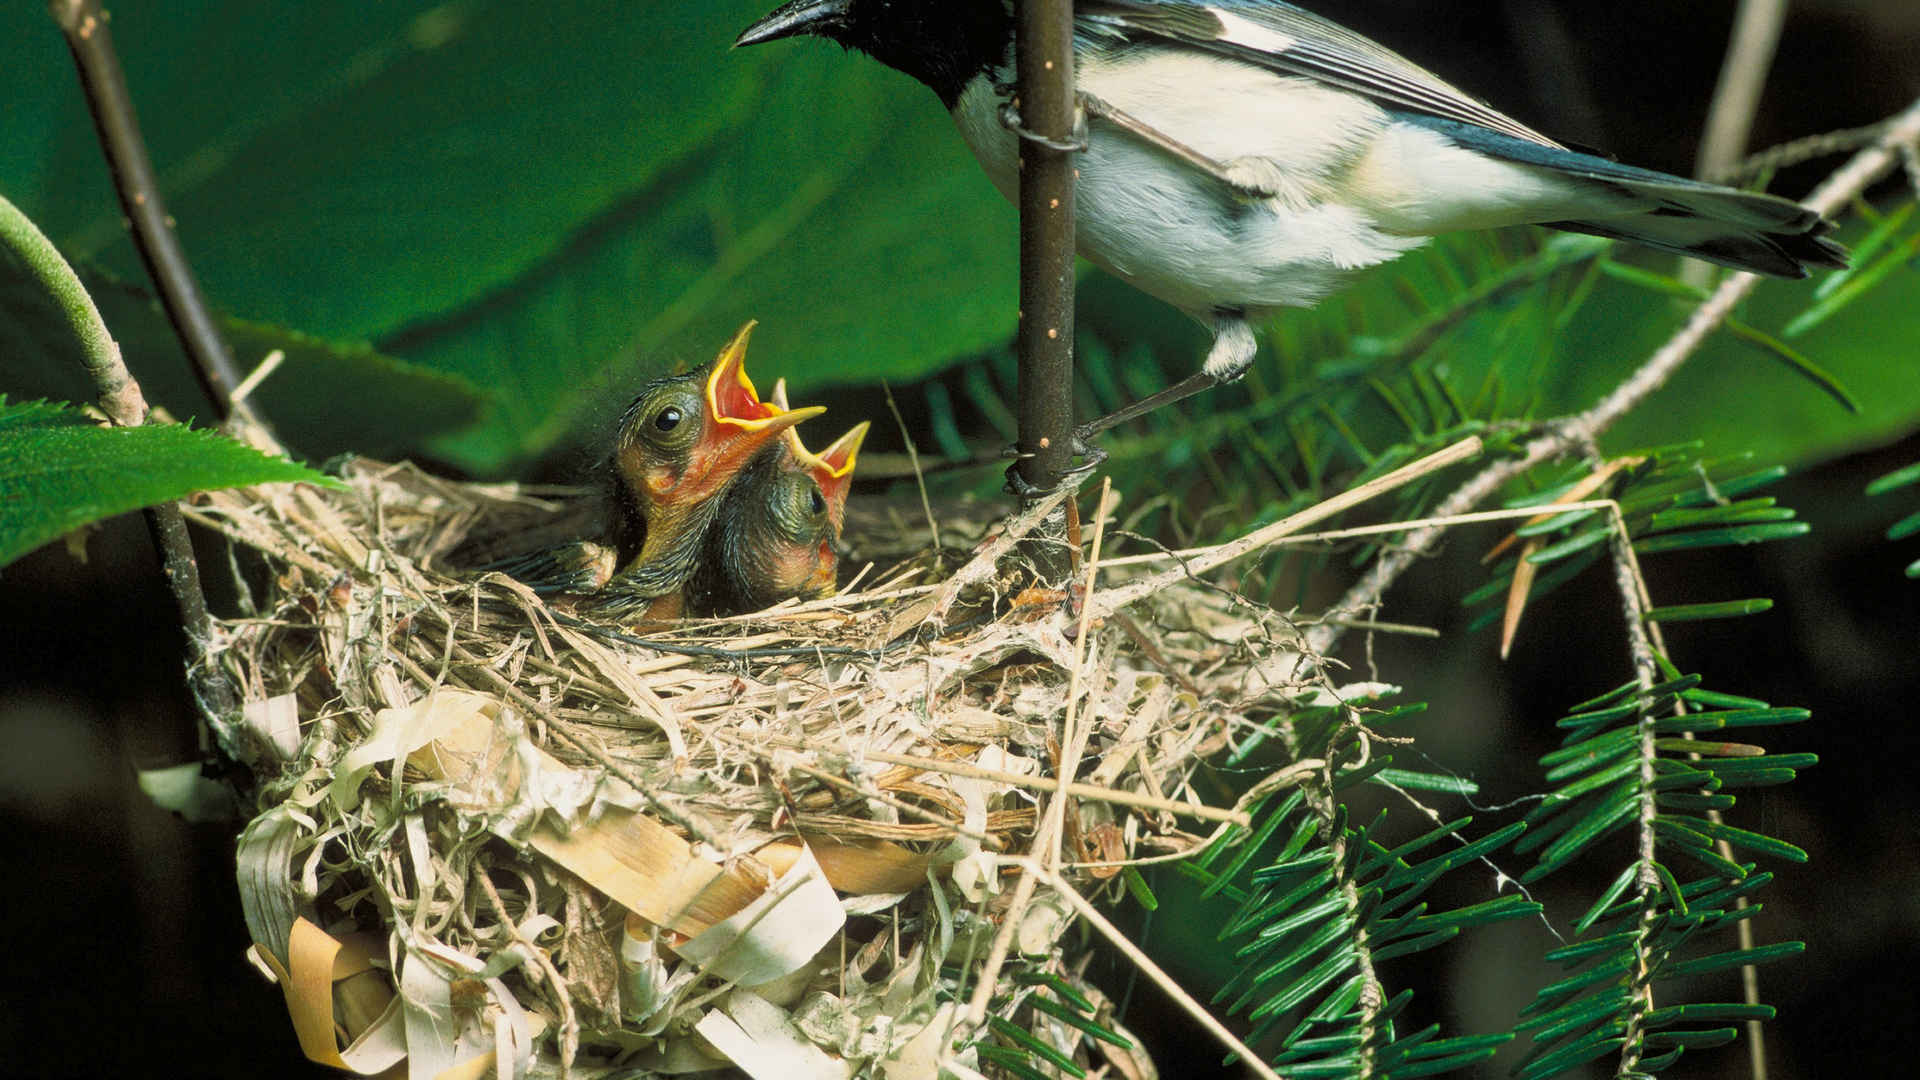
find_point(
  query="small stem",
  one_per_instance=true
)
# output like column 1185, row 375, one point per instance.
column 1044, row 52
column 120, row 398
column 85, row 25
column 1645, row 669
column 1750, row 52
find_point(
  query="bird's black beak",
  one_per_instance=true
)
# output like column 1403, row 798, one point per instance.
column 794, row 18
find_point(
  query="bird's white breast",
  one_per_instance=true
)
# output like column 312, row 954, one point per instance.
column 1354, row 187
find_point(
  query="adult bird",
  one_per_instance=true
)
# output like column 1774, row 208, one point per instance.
column 681, row 444
column 774, row 537
column 1245, row 156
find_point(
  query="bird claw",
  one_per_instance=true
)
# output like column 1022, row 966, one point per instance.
column 1091, row 457
column 1010, row 119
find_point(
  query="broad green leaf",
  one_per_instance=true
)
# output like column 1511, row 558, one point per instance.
column 551, row 201
column 1724, row 396
column 326, row 398
column 59, row 470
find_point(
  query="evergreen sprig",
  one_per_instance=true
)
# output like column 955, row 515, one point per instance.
column 1675, row 499
column 1632, row 761
column 1043, row 1025
column 1332, row 902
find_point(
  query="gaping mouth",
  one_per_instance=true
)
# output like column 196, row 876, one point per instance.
column 832, row 468
column 833, row 463
column 731, row 398
column 736, row 425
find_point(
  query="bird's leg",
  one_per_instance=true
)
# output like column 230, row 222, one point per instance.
column 1232, row 354
column 1248, row 177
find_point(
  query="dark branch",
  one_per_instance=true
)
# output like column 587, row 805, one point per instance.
column 1045, row 106
column 85, row 26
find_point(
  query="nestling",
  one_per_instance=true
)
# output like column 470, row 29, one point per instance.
column 775, row 533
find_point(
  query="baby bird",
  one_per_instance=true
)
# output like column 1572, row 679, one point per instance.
column 774, row 537
column 682, row 443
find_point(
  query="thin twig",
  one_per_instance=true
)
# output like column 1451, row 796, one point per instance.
column 1645, row 670
column 120, row 398
column 1743, row 75
column 1262, row 538
column 913, row 456
column 85, row 25
column 1867, row 166
column 1743, row 929
column 1381, row 529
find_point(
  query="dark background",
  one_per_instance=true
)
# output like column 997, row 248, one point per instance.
column 123, row 931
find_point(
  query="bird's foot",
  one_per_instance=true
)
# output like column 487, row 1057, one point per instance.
column 1082, row 448
column 1074, row 143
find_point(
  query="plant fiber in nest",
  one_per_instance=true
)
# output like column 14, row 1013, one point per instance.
column 487, row 834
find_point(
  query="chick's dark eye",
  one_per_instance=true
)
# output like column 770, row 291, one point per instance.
column 816, row 501
column 667, row 419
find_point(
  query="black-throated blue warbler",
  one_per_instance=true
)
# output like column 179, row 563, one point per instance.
column 1244, row 156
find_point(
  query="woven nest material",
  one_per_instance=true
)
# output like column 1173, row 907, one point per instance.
column 490, row 834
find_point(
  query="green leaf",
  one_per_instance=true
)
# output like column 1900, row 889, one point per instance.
column 1745, row 840
column 1013, row 1061
column 1079, row 1020
column 1735, row 958
column 1681, row 1014
column 1722, row 395
column 529, row 197
column 1727, row 609
column 1716, row 700
column 1693, row 1040
column 1614, row 892
column 1905, row 527
column 1038, row 1047
column 1575, row 1053
column 1706, row 538
column 1898, row 478
column 1138, row 888
column 1792, row 358
column 1419, row 781
column 59, row 470
column 1858, row 283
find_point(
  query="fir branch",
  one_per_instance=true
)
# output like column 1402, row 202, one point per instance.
column 1627, row 576
column 1869, row 165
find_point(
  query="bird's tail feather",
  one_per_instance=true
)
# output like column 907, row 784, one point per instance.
column 1738, row 229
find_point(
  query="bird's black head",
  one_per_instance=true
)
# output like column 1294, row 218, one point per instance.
column 943, row 43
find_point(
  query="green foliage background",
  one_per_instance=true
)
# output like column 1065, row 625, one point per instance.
column 476, row 226
column 484, row 223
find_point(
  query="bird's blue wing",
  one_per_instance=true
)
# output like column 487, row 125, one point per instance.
column 1289, row 40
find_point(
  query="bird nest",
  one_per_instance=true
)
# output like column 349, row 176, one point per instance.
column 487, row 833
